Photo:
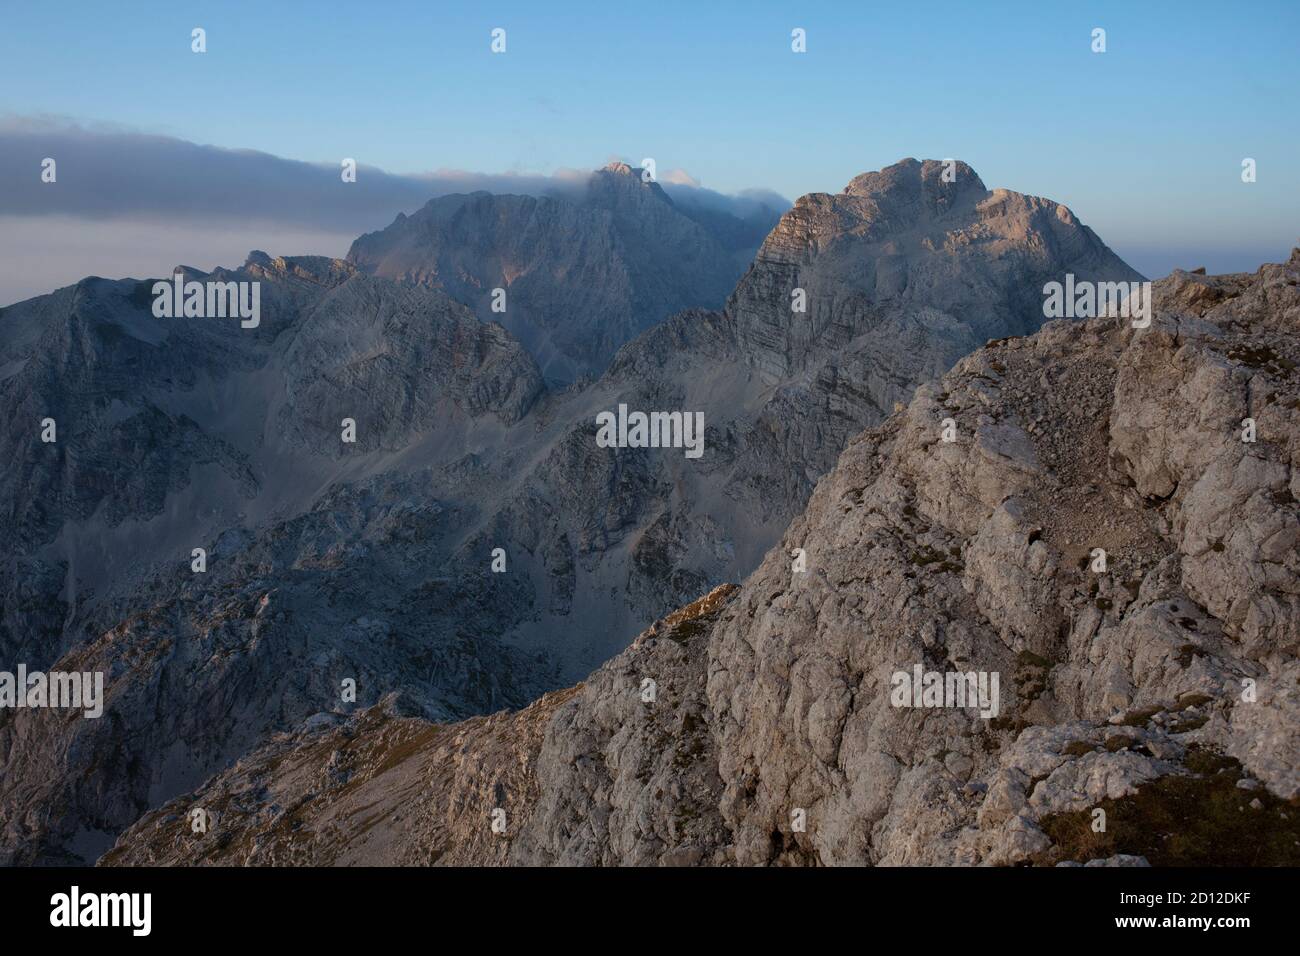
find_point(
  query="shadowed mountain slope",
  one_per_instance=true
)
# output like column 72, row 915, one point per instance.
column 581, row 274
column 1160, row 687
column 374, row 561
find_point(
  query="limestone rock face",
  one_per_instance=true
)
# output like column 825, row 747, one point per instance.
column 177, row 434
column 377, row 560
column 434, row 792
column 1161, row 679
column 908, row 271
column 582, row 274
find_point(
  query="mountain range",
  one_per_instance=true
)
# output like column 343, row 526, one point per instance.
column 372, row 561
column 1154, row 693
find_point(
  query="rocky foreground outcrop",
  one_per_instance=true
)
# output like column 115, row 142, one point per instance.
column 758, row 725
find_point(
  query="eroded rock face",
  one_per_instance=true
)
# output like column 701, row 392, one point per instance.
column 582, row 274
column 174, row 434
column 1162, row 681
column 428, row 793
column 907, row 270
column 372, row 560
column 978, row 555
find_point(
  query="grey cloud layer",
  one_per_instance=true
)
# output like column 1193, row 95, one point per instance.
column 114, row 174
column 134, row 204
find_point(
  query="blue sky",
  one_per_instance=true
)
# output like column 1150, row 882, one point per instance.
column 1144, row 142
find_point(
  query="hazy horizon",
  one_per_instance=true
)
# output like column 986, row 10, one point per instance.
column 1144, row 142
column 175, row 203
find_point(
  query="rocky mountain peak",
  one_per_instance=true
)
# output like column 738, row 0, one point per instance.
column 618, row 184
column 936, row 183
column 619, row 168
column 321, row 270
column 583, row 272
column 903, row 255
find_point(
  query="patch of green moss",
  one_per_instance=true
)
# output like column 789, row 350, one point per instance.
column 685, row 813
column 1197, row 819
column 684, row 756
column 1184, row 724
column 925, row 556
column 686, row 630
column 1140, row 717
column 1030, row 659
column 1261, row 357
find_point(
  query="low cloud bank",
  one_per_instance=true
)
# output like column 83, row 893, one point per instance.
column 131, row 203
